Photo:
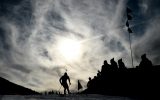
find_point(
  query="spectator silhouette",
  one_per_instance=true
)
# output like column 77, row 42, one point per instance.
column 89, row 82
column 63, row 81
column 145, row 62
column 98, row 74
column 105, row 67
column 113, row 82
column 121, row 64
column 113, row 64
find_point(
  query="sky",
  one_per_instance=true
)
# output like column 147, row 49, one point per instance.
column 42, row 39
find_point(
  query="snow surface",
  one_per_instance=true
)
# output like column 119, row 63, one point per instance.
column 57, row 97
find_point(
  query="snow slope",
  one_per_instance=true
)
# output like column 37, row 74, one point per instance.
column 57, row 97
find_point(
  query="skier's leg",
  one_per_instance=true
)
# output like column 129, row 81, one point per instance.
column 64, row 90
column 68, row 90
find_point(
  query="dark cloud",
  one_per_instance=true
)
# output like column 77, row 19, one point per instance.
column 5, row 6
column 21, row 68
column 44, row 53
column 3, row 40
column 56, row 20
column 149, row 42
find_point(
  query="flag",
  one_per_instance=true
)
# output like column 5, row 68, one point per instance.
column 128, row 10
column 127, row 24
column 129, row 30
column 79, row 85
column 129, row 17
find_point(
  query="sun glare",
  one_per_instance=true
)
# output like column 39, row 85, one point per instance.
column 69, row 49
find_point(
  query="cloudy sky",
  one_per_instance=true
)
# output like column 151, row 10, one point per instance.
column 40, row 39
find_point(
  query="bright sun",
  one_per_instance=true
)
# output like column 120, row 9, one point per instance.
column 69, row 49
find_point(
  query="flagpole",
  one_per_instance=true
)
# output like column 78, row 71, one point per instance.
column 129, row 17
column 78, row 86
column 131, row 49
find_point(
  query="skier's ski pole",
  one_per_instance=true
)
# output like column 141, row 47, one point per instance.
column 60, row 88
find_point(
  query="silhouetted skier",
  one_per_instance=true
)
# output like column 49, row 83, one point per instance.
column 113, row 64
column 121, row 64
column 145, row 63
column 63, row 81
